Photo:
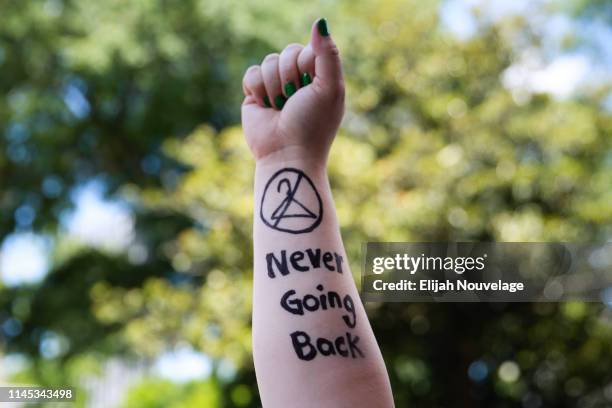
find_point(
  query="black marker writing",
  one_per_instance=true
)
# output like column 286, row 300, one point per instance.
column 343, row 346
column 303, row 261
column 322, row 301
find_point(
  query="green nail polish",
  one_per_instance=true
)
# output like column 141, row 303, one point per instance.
column 305, row 80
column 290, row 88
column 267, row 102
column 322, row 27
column 279, row 101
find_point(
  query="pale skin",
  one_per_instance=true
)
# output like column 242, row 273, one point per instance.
column 294, row 370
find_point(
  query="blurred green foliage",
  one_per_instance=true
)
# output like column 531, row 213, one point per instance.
column 169, row 395
column 433, row 147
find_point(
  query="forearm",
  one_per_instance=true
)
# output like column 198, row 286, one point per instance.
column 313, row 345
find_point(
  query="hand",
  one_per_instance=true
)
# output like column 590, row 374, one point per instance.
column 294, row 101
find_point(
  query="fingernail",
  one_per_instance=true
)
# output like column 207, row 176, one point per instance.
column 267, row 102
column 322, row 27
column 305, row 80
column 279, row 101
column 290, row 88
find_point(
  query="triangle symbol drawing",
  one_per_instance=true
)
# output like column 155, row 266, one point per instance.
column 294, row 209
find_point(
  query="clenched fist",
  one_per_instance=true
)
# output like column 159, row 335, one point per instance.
column 294, row 101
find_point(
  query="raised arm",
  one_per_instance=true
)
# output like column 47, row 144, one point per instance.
column 312, row 342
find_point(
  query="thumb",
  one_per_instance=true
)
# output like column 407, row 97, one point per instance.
column 328, row 67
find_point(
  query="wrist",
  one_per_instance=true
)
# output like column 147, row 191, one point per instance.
column 294, row 156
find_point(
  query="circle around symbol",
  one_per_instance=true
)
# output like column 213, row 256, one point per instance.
column 301, row 175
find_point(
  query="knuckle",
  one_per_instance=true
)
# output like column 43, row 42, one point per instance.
column 252, row 69
column 286, row 70
column 305, row 53
column 271, row 57
column 251, row 73
column 333, row 50
column 293, row 47
column 252, row 82
column 305, row 63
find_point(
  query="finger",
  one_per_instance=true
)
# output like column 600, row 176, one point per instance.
column 288, row 69
column 253, row 85
column 250, row 100
column 306, row 65
column 272, row 81
column 328, row 67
